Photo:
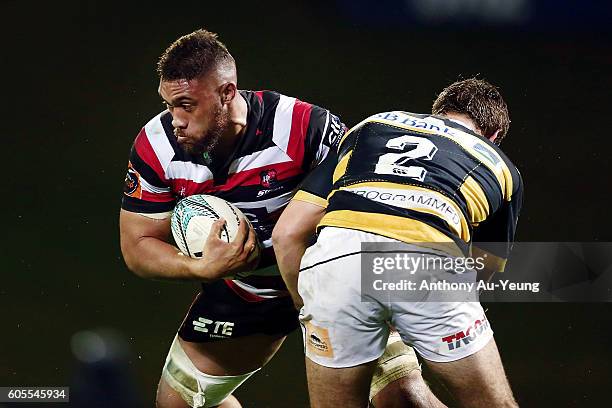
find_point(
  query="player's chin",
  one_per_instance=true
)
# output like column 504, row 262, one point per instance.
column 192, row 148
column 199, row 146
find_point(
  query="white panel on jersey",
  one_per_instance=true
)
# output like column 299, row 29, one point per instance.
column 159, row 141
column 323, row 149
column 322, row 153
column 271, row 155
column 282, row 121
column 153, row 189
column 271, row 204
column 264, row 293
column 189, row 171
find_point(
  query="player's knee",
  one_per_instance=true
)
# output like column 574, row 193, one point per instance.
column 162, row 402
column 408, row 391
column 166, row 397
column 398, row 370
column 412, row 386
column 231, row 402
column 193, row 387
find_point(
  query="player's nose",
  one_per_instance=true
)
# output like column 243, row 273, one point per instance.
column 178, row 122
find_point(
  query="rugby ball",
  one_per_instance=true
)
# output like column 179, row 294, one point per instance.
column 193, row 218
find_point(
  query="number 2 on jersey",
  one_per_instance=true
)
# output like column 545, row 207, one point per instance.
column 396, row 163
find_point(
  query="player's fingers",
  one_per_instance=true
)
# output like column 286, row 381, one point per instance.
column 241, row 235
column 251, row 241
column 217, row 228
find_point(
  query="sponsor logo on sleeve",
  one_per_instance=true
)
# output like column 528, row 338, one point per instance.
column 336, row 129
column 132, row 187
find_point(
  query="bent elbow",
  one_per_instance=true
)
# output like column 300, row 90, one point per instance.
column 279, row 236
column 285, row 236
column 132, row 264
column 129, row 262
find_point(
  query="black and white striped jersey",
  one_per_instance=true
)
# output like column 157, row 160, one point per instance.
column 284, row 139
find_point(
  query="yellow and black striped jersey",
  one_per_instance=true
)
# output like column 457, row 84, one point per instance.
column 418, row 178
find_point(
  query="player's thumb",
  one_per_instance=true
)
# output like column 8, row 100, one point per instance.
column 217, row 227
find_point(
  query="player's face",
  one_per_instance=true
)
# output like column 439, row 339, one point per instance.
column 198, row 116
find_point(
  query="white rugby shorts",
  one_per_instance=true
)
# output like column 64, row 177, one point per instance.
column 341, row 330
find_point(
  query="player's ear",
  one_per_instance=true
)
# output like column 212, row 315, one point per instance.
column 228, row 92
column 493, row 137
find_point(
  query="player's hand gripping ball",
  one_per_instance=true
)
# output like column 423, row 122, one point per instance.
column 193, row 218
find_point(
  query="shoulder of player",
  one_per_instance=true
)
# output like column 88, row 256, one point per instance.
column 392, row 118
column 434, row 124
column 271, row 100
column 517, row 181
column 156, row 140
column 517, row 178
column 516, row 175
column 158, row 126
column 265, row 99
column 275, row 110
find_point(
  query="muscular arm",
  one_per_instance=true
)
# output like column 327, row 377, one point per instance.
column 148, row 254
column 298, row 222
column 294, row 229
column 146, row 251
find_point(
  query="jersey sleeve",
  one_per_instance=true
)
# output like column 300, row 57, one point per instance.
column 146, row 189
column 318, row 184
column 322, row 137
column 324, row 131
column 496, row 234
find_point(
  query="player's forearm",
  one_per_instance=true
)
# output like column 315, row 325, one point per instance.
column 294, row 229
column 289, row 254
column 155, row 259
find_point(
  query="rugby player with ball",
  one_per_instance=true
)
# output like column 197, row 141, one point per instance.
column 251, row 149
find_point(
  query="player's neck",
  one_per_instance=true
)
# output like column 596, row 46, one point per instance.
column 464, row 120
column 467, row 122
column 238, row 111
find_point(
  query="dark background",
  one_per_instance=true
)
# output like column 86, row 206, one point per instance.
column 78, row 83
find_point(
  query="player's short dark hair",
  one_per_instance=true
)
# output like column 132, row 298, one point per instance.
column 478, row 99
column 192, row 56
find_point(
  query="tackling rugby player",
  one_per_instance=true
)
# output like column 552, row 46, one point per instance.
column 421, row 180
